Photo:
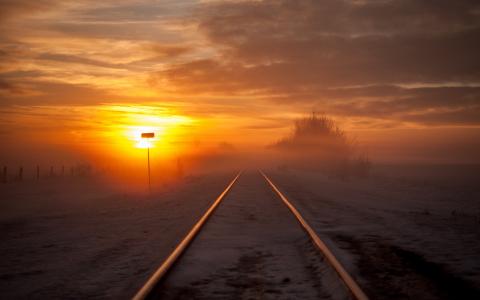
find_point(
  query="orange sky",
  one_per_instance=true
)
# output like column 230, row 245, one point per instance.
column 79, row 77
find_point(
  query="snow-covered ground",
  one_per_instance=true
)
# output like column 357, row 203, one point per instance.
column 79, row 239
column 405, row 232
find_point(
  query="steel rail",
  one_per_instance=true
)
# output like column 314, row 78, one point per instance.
column 347, row 279
column 160, row 273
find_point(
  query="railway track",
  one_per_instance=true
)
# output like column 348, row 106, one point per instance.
column 152, row 289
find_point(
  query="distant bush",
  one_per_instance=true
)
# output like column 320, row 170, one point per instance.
column 317, row 142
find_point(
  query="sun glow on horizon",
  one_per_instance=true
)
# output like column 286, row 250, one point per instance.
column 126, row 123
column 136, row 134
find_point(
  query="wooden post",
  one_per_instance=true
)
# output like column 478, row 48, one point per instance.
column 63, row 171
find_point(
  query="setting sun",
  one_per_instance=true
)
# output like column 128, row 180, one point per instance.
column 127, row 123
column 142, row 142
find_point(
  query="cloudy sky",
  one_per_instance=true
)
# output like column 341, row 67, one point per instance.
column 394, row 72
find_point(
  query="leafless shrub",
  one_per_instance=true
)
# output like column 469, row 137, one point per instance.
column 317, row 142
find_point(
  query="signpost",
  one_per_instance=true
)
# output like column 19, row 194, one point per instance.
column 148, row 135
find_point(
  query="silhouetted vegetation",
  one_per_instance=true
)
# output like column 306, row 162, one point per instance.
column 317, row 142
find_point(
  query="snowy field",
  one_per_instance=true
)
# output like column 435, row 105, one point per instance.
column 407, row 232
column 78, row 239
column 404, row 232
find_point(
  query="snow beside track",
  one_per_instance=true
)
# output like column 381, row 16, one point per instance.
column 79, row 239
column 428, row 220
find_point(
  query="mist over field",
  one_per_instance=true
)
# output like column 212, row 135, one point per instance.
column 127, row 125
